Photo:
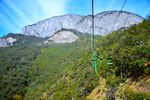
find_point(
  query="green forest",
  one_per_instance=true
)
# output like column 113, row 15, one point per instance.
column 32, row 71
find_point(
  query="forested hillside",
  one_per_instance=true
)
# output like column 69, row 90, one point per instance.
column 15, row 63
column 128, row 77
column 64, row 72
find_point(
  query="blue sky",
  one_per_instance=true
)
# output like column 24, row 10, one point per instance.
column 14, row 14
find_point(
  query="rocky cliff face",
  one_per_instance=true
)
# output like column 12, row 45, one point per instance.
column 49, row 26
column 7, row 42
column 103, row 23
column 63, row 36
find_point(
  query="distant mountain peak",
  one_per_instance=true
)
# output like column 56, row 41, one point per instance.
column 6, row 42
column 103, row 23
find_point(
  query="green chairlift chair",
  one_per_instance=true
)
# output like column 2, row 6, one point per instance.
column 94, row 60
column 109, row 61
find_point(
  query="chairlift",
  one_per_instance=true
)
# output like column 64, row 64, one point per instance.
column 94, row 59
column 109, row 59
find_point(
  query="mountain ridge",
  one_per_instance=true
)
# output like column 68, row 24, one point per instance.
column 17, row 39
column 86, row 15
column 79, row 24
column 103, row 23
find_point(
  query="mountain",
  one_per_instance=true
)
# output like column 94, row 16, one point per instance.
column 64, row 72
column 103, row 23
column 72, row 24
column 20, row 39
column 6, row 42
column 63, row 36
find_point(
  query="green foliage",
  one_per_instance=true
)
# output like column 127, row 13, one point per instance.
column 15, row 63
column 63, row 71
column 132, row 95
column 130, row 50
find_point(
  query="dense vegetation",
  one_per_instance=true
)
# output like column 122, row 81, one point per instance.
column 15, row 64
column 130, row 51
column 63, row 71
column 25, row 40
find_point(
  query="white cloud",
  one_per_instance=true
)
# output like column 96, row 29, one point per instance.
column 53, row 7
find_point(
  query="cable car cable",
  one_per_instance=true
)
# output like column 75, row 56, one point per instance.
column 118, row 15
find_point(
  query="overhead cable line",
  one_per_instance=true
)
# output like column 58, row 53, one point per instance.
column 148, row 13
column 118, row 15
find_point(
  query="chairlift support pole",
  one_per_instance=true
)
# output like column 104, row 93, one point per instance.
column 93, row 24
column 94, row 53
